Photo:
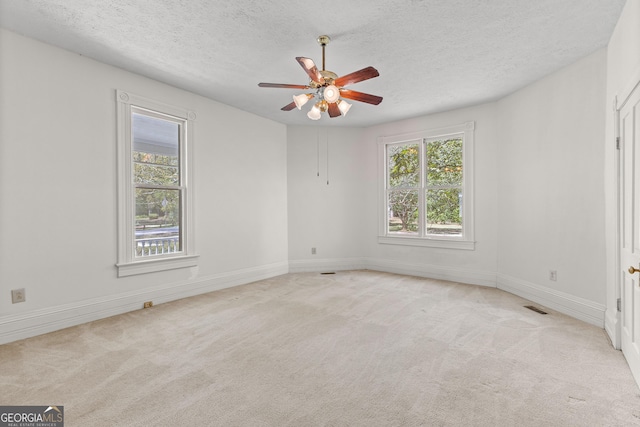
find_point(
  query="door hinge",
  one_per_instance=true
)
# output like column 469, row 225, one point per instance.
column 619, row 304
column 617, row 142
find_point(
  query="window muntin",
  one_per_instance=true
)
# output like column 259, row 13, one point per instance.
column 155, row 214
column 427, row 188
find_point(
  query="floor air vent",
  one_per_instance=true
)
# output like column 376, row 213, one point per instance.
column 536, row 309
column 329, row 272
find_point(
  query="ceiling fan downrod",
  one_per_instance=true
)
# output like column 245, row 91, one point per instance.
column 323, row 41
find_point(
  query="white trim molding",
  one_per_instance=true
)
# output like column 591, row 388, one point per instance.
column 431, row 271
column 612, row 328
column 466, row 241
column 327, row 265
column 427, row 242
column 157, row 264
column 626, row 90
column 579, row 308
column 25, row 325
column 128, row 263
column 453, row 274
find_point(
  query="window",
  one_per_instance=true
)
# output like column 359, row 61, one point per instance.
column 427, row 188
column 155, row 226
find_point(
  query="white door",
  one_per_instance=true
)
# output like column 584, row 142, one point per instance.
column 629, row 125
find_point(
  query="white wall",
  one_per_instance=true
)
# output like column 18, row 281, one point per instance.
column 623, row 68
column 551, row 189
column 58, row 200
column 326, row 212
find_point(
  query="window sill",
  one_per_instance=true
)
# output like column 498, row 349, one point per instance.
column 154, row 265
column 428, row 242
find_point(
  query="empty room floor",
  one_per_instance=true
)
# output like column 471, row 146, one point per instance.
column 355, row 348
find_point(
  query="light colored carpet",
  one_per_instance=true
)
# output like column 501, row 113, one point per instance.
column 358, row 348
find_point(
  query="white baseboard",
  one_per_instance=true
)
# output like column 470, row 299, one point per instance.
column 611, row 326
column 472, row 277
column 19, row 326
column 453, row 274
column 326, row 264
column 573, row 306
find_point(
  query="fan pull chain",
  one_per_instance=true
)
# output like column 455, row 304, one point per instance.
column 318, row 151
column 327, row 156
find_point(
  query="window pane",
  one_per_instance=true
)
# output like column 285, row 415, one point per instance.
column 155, row 169
column 155, row 150
column 157, row 221
column 403, row 165
column 403, row 211
column 444, row 162
column 444, row 213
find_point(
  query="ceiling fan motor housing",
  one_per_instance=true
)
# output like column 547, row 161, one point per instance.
column 328, row 76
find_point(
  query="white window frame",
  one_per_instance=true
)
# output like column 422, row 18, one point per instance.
column 467, row 240
column 128, row 264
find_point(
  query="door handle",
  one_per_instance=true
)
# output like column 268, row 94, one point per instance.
column 633, row 270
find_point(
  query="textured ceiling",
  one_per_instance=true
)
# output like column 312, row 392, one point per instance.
column 432, row 55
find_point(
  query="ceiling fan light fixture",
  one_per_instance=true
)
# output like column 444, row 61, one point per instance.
column 343, row 106
column 302, row 99
column 314, row 113
column 331, row 93
column 328, row 87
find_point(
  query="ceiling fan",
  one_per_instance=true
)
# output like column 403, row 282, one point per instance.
column 327, row 88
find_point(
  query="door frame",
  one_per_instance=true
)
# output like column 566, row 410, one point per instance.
column 615, row 331
column 619, row 101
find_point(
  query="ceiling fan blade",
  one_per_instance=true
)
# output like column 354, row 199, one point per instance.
column 310, row 67
column 281, row 85
column 289, row 107
column 360, row 96
column 356, row 76
column 334, row 111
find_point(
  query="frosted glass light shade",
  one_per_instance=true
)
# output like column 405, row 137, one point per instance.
column 314, row 113
column 331, row 93
column 344, row 107
column 301, row 99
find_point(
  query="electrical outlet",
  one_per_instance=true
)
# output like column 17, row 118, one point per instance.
column 18, row 295
column 553, row 275
column 148, row 304
column 313, row 251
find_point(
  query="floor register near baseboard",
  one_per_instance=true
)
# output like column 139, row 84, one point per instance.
column 536, row 309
